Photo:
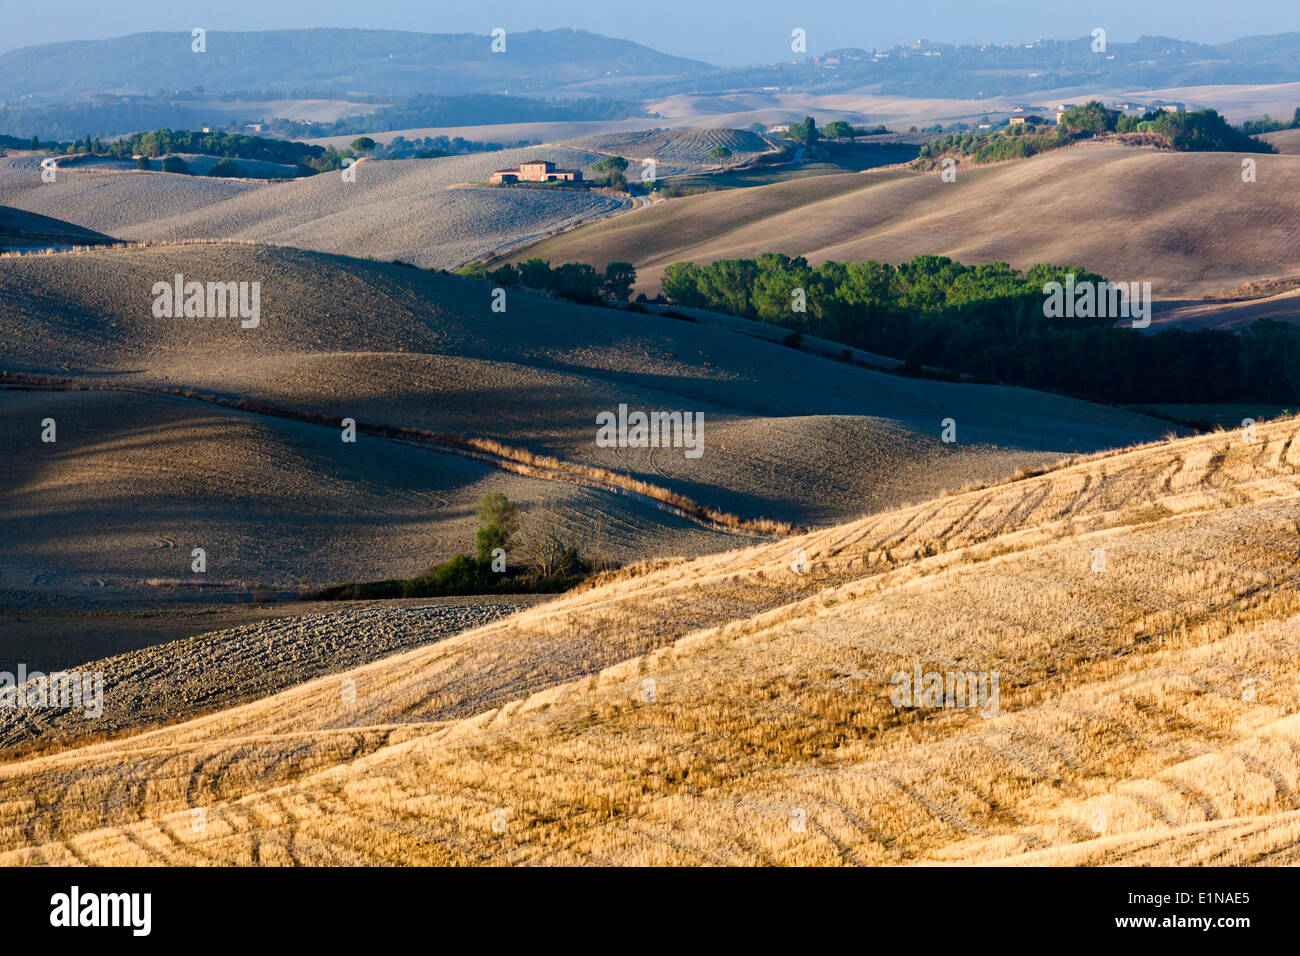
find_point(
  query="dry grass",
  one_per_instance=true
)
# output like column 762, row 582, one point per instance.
column 1148, row 711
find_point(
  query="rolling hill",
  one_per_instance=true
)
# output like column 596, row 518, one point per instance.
column 135, row 482
column 1129, row 214
column 789, row 436
column 405, row 209
column 1138, row 609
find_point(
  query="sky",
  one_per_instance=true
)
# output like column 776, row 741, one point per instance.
column 723, row 32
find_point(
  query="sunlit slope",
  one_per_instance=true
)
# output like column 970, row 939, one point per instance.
column 787, row 435
column 1129, row 214
column 1140, row 610
column 1286, row 140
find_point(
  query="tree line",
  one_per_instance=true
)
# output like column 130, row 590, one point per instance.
column 1197, row 131
column 989, row 322
column 575, row 281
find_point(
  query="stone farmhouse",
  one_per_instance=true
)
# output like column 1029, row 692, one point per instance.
column 536, row 171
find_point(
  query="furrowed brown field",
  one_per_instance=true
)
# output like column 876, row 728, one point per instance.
column 1139, row 607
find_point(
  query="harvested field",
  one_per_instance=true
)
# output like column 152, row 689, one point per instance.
column 20, row 231
column 182, row 679
column 112, row 201
column 1147, row 706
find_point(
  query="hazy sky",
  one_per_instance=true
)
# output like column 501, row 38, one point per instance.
column 725, row 32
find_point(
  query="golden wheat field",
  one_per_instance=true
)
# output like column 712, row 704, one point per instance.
column 1139, row 608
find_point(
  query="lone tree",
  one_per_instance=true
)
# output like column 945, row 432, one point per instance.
column 804, row 133
column 143, row 163
column 545, row 543
column 619, row 277
column 363, row 144
column 498, row 519
column 174, row 164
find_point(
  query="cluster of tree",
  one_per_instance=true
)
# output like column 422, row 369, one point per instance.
column 18, row 142
column 161, row 142
column 515, row 552
column 1091, row 117
column 805, row 133
column 610, row 171
column 575, row 281
column 840, row 129
column 306, row 160
column 1270, row 125
column 429, row 147
column 476, row 110
column 1197, row 131
column 989, row 321
column 1013, row 142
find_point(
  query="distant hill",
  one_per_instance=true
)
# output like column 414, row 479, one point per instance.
column 382, row 62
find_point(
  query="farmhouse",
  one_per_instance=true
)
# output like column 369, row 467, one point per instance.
column 536, row 171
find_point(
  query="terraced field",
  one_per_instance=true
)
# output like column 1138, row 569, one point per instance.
column 678, row 152
column 1139, row 608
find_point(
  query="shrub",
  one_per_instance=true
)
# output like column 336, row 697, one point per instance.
column 225, row 168
column 498, row 518
column 174, row 164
